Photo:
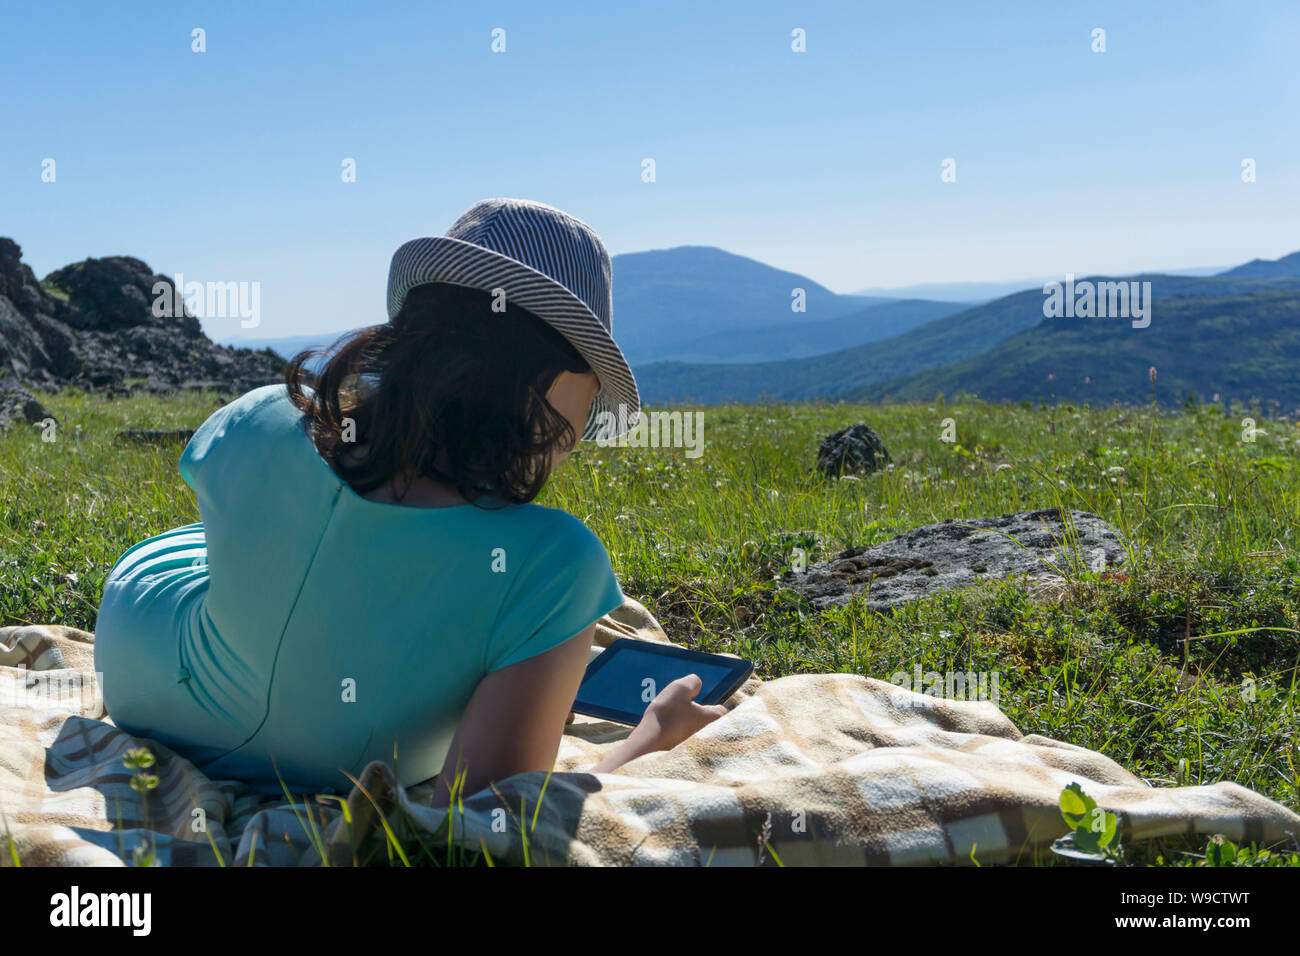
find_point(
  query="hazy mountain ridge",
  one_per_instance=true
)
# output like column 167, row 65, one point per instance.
column 798, row 340
column 686, row 302
column 1285, row 266
column 1241, row 347
column 666, row 297
column 935, row 344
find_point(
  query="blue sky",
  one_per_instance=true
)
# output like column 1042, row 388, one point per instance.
column 225, row 165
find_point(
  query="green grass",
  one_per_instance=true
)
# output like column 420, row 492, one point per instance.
column 1182, row 668
column 55, row 291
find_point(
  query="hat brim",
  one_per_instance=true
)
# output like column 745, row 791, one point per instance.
column 444, row 259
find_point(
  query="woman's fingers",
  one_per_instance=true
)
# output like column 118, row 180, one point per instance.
column 691, row 682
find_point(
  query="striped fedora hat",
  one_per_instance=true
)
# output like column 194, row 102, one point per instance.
column 549, row 263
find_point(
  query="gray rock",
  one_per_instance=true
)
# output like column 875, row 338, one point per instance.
column 156, row 436
column 856, row 450
column 959, row 553
column 91, row 324
column 116, row 294
column 18, row 404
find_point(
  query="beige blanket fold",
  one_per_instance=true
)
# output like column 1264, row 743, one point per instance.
column 812, row 769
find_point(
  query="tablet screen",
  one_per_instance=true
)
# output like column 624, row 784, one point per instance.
column 631, row 679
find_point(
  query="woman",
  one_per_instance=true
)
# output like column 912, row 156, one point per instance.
column 370, row 580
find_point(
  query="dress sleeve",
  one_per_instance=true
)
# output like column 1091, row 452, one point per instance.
column 200, row 442
column 203, row 443
column 565, row 586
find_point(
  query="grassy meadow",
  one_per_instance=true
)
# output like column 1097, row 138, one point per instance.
column 1181, row 665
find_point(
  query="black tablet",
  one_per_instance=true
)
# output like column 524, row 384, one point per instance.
column 627, row 675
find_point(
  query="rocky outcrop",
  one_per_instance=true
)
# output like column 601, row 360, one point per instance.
column 959, row 553
column 92, row 324
column 114, row 295
column 19, row 405
column 36, row 343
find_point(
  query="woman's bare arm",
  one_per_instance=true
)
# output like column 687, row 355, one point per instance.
column 516, row 716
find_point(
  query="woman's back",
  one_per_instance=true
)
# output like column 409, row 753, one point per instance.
column 312, row 622
column 319, row 630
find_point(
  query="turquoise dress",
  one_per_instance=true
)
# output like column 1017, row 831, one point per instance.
column 300, row 631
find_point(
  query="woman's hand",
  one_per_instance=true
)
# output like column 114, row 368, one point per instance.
column 673, row 715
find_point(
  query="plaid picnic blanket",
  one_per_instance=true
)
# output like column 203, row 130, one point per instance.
column 808, row 769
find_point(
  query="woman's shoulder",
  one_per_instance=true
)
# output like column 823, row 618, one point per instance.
column 557, row 530
column 239, row 425
column 265, row 404
column 556, row 520
column 265, row 398
column 275, row 395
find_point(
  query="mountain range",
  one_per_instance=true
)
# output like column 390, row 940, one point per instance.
column 1286, row 266
column 936, row 344
column 667, row 298
column 1211, row 348
column 703, row 325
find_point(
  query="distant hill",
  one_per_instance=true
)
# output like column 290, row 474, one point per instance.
column 935, row 344
column 1241, row 347
column 798, row 339
column 667, row 297
column 724, row 324
column 1287, row 266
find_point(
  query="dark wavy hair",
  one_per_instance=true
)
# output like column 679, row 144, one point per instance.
column 449, row 390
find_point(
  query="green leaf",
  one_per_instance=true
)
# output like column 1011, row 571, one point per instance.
column 1104, row 825
column 1065, row 847
column 1076, row 806
column 1086, row 840
column 144, row 782
column 1220, row 851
